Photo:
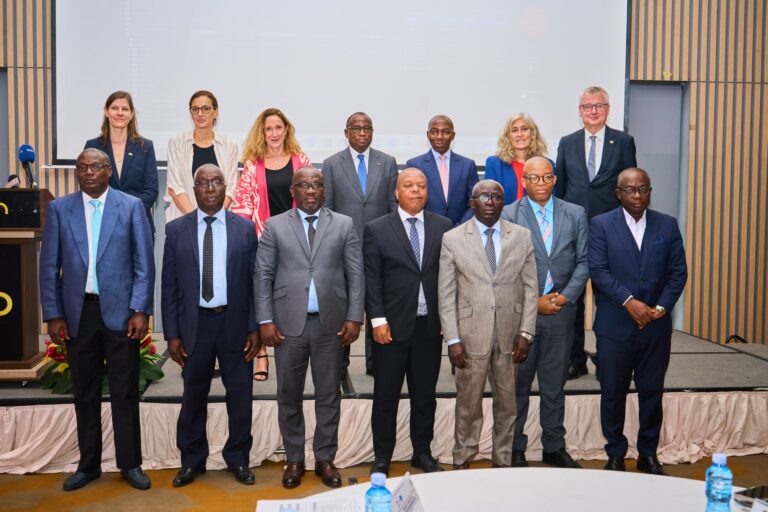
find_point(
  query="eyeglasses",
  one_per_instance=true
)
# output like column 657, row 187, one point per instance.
column 214, row 183
column 589, row 107
column 358, row 129
column 94, row 168
column 534, row 178
column 487, row 198
column 630, row 191
column 306, row 185
column 205, row 109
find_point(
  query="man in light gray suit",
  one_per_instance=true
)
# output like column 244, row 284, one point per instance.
column 310, row 296
column 487, row 296
column 559, row 233
column 360, row 182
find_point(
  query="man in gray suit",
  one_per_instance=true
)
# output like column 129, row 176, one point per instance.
column 487, row 296
column 360, row 182
column 559, row 233
column 310, row 296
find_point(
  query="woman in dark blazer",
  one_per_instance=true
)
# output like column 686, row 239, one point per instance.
column 134, row 167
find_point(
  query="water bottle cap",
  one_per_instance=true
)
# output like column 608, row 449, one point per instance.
column 719, row 458
column 378, row 479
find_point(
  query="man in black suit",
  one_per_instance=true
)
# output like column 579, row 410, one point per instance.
column 588, row 163
column 401, row 251
column 209, row 313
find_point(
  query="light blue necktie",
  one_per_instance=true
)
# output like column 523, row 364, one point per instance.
column 546, row 235
column 95, row 228
column 362, row 172
column 591, row 158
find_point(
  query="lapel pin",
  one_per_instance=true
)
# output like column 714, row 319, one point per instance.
column 610, row 142
column 131, row 154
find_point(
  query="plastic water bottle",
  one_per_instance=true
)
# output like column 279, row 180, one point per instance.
column 719, row 484
column 378, row 498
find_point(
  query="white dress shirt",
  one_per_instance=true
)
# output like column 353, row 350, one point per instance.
column 637, row 228
column 89, row 287
column 599, row 142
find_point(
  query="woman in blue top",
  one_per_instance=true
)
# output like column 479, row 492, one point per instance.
column 519, row 140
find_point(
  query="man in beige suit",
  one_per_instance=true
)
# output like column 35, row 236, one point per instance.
column 488, row 301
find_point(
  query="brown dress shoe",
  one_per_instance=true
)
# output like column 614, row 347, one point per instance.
column 328, row 472
column 463, row 465
column 292, row 474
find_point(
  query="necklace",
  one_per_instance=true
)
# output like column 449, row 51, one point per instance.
column 277, row 160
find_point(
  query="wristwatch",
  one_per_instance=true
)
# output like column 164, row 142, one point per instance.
column 661, row 309
column 527, row 336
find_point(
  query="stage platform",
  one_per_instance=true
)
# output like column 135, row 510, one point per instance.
column 716, row 400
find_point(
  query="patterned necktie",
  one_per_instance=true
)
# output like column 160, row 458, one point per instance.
column 362, row 172
column 208, row 260
column 490, row 249
column 311, row 230
column 591, row 159
column 95, row 229
column 444, row 175
column 546, row 235
column 413, row 236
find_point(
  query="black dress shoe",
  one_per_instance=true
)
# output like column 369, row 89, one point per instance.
column 292, row 474
column 80, row 479
column 574, row 372
column 615, row 464
column 186, row 476
column 560, row 459
column 137, row 478
column 650, row 465
column 243, row 475
column 380, row 465
column 518, row 459
column 426, row 463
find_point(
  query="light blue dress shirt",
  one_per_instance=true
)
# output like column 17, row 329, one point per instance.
column 219, row 228
column 436, row 156
column 549, row 216
column 312, row 305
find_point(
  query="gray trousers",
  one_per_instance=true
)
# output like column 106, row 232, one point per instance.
column 291, row 359
column 547, row 359
column 470, row 385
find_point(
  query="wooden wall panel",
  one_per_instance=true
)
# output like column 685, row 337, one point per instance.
column 717, row 47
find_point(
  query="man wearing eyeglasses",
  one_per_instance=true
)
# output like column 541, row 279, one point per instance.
column 97, row 277
column 637, row 265
column 559, row 233
column 360, row 183
column 310, row 297
column 588, row 162
column 209, row 315
column 488, row 299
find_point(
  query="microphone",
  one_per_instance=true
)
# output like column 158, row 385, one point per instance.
column 13, row 181
column 27, row 157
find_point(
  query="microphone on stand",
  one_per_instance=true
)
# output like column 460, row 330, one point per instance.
column 27, row 157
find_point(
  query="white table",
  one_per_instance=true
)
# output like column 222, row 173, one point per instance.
column 547, row 489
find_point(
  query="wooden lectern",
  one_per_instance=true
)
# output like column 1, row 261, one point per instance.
column 22, row 215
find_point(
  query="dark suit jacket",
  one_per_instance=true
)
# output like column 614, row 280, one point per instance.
column 181, row 280
column 573, row 185
column 567, row 262
column 462, row 176
column 344, row 195
column 139, row 174
column 392, row 276
column 656, row 275
column 125, row 265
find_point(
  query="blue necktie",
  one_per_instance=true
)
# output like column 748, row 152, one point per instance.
column 591, row 158
column 546, row 235
column 95, row 228
column 362, row 172
column 413, row 235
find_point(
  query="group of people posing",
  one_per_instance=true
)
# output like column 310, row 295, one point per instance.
column 297, row 258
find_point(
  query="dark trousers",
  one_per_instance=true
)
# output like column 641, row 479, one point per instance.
column 417, row 359
column 578, row 356
column 86, row 353
column 548, row 360
column 237, row 377
column 648, row 357
column 292, row 358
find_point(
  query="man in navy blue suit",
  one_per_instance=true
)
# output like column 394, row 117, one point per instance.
column 97, row 275
column 209, row 313
column 450, row 177
column 637, row 265
column 588, row 162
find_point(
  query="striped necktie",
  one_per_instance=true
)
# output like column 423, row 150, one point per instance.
column 546, row 234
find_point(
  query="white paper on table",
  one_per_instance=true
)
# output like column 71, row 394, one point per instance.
column 405, row 498
column 345, row 504
column 759, row 506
